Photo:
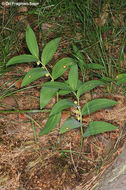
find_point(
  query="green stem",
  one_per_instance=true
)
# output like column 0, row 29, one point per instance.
column 36, row 123
column 47, row 71
column 82, row 133
column 57, row 96
column 80, row 118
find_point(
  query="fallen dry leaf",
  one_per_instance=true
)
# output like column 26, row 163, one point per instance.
column 18, row 83
column 9, row 101
column 21, row 116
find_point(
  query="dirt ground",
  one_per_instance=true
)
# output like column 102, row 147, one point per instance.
column 53, row 161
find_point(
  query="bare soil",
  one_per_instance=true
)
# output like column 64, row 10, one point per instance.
column 54, row 161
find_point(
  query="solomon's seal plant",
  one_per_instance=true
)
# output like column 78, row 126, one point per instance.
column 71, row 86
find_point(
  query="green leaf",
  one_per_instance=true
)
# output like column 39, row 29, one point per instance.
column 79, row 83
column 78, row 53
column 96, row 105
column 32, row 75
column 94, row 66
column 65, row 89
column 61, row 105
column 61, row 66
column 32, row 42
column 64, row 92
column 50, row 124
column 107, row 79
column 96, row 127
column 70, row 124
column 79, row 56
column 88, row 86
column 121, row 78
column 49, row 50
column 58, row 85
column 21, row 59
column 46, row 94
column 73, row 77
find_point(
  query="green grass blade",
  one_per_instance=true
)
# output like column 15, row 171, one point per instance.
column 94, row 66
